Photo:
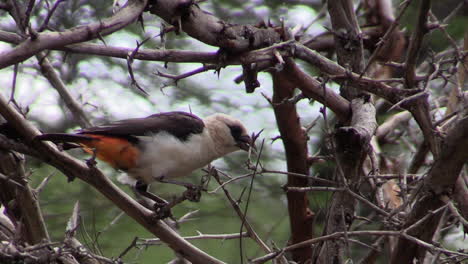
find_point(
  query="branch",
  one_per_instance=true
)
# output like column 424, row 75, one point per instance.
column 205, row 27
column 440, row 181
column 415, row 42
column 460, row 196
column 49, row 40
column 391, row 123
column 341, row 74
column 49, row 72
column 26, row 209
column 200, row 236
column 295, row 145
column 386, row 43
column 235, row 205
column 313, row 89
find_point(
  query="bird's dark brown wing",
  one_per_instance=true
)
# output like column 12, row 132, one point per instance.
column 179, row 124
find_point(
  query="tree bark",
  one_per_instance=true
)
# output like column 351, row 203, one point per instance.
column 295, row 145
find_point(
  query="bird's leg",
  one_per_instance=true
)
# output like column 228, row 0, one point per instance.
column 193, row 192
column 162, row 208
column 142, row 189
column 163, row 179
column 91, row 162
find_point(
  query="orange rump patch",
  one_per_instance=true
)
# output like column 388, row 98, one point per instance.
column 118, row 152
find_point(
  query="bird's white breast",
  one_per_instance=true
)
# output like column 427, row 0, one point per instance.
column 165, row 155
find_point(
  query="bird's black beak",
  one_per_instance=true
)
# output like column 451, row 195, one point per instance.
column 245, row 143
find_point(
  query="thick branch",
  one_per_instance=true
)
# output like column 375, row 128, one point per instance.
column 439, row 181
column 49, row 72
column 205, row 27
column 295, row 145
column 341, row 74
column 50, row 40
column 348, row 41
column 313, row 89
column 351, row 142
column 416, row 41
column 25, row 207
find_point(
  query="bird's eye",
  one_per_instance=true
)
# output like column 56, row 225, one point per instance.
column 236, row 131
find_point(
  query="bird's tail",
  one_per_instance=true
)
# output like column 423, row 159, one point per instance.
column 69, row 141
column 64, row 138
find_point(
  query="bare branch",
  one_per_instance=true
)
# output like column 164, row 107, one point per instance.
column 50, row 40
column 439, row 181
column 49, row 72
column 200, row 236
column 237, row 209
column 415, row 42
column 209, row 29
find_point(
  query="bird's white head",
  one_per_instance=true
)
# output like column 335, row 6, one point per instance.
column 228, row 134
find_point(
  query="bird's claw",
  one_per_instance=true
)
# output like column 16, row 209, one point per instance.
column 193, row 193
column 162, row 210
column 91, row 163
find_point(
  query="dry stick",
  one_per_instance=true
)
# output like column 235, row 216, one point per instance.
column 122, row 52
column 315, row 189
column 53, row 77
column 10, row 144
column 9, row 179
column 45, row 24
column 422, row 220
column 27, row 14
column 249, row 195
column 455, row 211
column 420, row 108
column 391, row 123
column 386, row 37
column 340, row 189
column 229, row 181
column 176, row 78
column 43, row 183
column 238, row 210
column 32, row 220
column 263, row 171
column 409, row 99
column 440, row 180
column 415, row 43
column 13, row 83
column 335, row 71
column 200, row 236
column 126, row 250
column 447, row 35
column 49, row 40
column 130, row 59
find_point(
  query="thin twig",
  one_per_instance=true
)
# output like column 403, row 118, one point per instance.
column 200, row 236
column 386, row 36
column 176, row 78
column 238, row 210
column 45, row 24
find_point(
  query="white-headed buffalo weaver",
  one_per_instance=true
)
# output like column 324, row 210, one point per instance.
column 163, row 145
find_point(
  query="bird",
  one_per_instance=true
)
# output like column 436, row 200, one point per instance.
column 160, row 146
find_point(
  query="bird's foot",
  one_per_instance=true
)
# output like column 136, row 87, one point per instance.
column 91, row 162
column 187, row 185
column 162, row 210
column 193, row 193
